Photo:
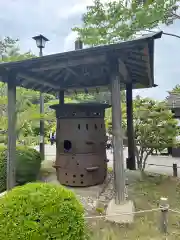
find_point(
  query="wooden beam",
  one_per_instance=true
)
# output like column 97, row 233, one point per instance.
column 123, row 71
column 54, row 73
column 37, row 80
column 35, row 86
column 73, row 72
column 11, row 153
column 72, row 63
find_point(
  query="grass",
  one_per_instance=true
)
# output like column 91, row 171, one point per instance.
column 146, row 195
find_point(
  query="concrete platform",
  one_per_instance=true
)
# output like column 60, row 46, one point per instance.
column 123, row 213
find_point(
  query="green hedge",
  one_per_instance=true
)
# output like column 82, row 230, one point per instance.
column 41, row 211
column 28, row 164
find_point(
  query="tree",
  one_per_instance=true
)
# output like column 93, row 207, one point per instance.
column 114, row 21
column 108, row 118
column 176, row 89
column 27, row 109
column 155, row 128
column 8, row 45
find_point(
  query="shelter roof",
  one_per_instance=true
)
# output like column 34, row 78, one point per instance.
column 87, row 69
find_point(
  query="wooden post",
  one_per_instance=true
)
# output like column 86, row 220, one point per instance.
column 175, row 173
column 164, row 206
column 119, row 174
column 61, row 97
column 11, row 149
column 131, row 161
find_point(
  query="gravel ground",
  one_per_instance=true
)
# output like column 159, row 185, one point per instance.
column 92, row 201
column 92, row 204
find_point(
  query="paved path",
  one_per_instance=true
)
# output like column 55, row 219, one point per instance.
column 165, row 161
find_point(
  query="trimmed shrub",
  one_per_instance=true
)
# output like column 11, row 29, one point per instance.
column 41, row 211
column 28, row 164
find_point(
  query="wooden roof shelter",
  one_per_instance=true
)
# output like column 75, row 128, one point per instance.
column 116, row 66
column 87, row 68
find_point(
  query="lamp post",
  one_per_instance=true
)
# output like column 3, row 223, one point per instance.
column 40, row 42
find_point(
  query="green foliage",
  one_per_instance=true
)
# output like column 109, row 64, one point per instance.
column 28, row 116
column 28, row 163
column 6, row 46
column 101, row 97
column 41, row 211
column 155, row 127
column 108, row 117
column 176, row 89
column 100, row 210
column 114, row 21
column 33, row 96
column 27, row 104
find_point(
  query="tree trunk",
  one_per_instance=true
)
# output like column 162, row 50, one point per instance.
column 140, row 158
column 145, row 159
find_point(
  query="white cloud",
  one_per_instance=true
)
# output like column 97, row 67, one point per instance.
column 69, row 41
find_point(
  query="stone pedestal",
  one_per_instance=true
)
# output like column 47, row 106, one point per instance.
column 122, row 213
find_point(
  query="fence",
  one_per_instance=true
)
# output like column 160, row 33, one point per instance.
column 174, row 168
column 163, row 208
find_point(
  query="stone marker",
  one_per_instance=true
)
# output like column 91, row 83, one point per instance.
column 116, row 213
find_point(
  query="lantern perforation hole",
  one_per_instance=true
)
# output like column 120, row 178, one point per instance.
column 66, row 181
column 96, row 114
column 79, row 126
column 67, row 145
column 82, row 175
column 74, row 176
column 95, row 126
column 101, row 125
column 73, row 181
column 87, row 126
column 82, row 182
column 66, row 174
column 74, row 113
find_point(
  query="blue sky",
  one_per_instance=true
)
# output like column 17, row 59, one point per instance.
column 55, row 18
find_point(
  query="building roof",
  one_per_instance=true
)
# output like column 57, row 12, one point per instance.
column 87, row 69
column 173, row 100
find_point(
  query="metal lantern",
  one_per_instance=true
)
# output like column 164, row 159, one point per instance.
column 40, row 41
column 81, row 144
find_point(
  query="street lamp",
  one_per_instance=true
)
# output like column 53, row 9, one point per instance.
column 40, row 42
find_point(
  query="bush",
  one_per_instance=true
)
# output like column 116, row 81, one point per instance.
column 28, row 164
column 41, row 211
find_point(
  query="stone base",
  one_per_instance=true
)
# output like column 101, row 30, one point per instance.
column 114, row 212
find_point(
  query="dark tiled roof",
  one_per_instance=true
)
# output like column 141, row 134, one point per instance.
column 88, row 68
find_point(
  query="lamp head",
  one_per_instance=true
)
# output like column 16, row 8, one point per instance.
column 40, row 41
